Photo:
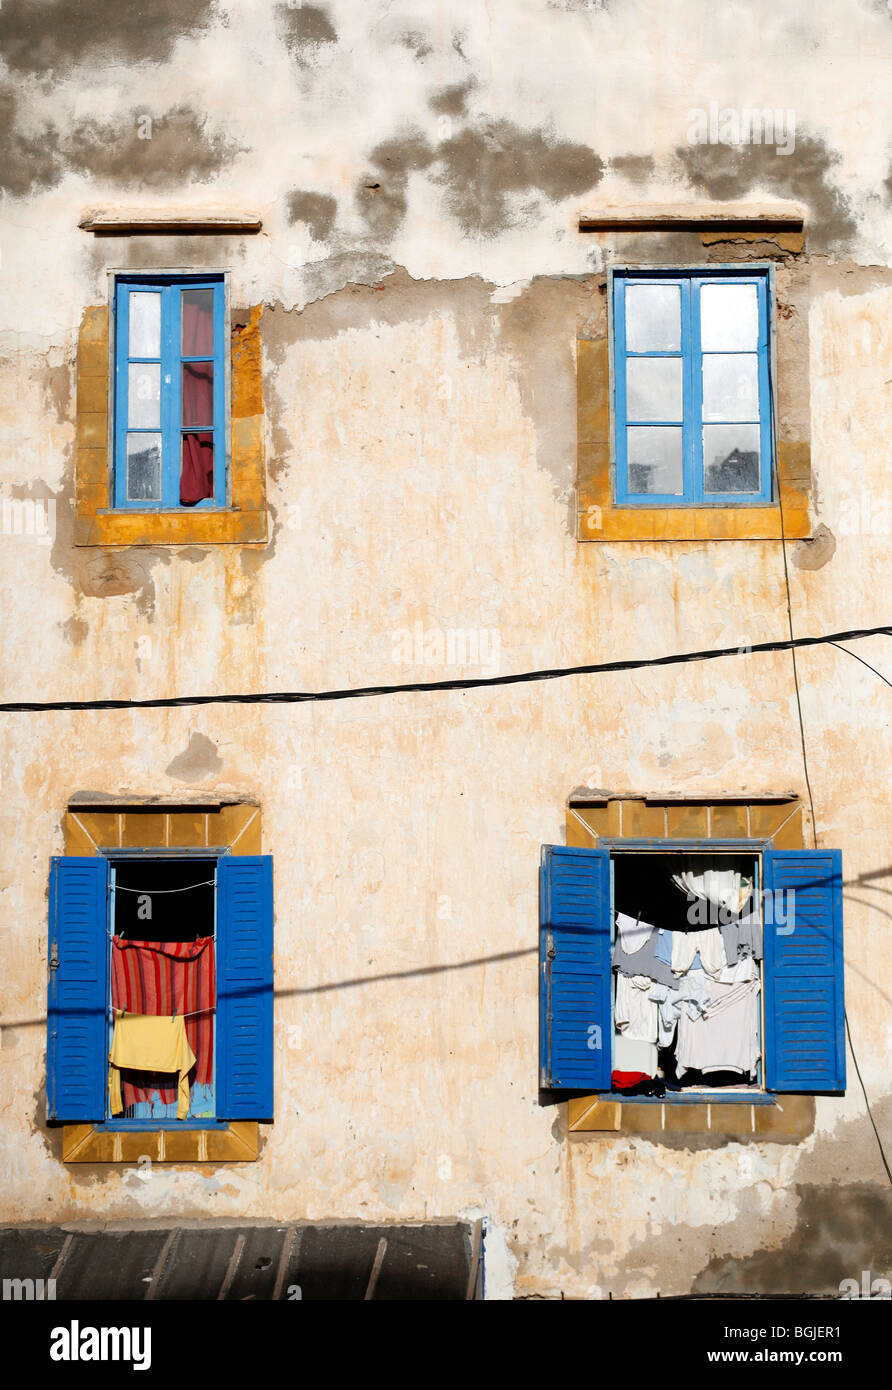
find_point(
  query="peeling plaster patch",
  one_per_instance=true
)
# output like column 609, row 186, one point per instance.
column 499, row 1264
column 382, row 197
column 638, row 168
column 482, row 168
column 75, row 630
column 181, row 148
column 317, row 210
column 199, row 760
column 728, row 172
column 304, row 26
column 321, row 279
column 813, row 553
column 539, row 328
column 29, row 162
column 108, row 574
column 783, row 1236
column 387, row 295
column 398, row 299
column 452, row 101
column 416, row 43
column 46, row 36
column 838, row 1233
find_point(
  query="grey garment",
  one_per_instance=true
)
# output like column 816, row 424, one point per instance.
column 742, row 938
column 644, row 962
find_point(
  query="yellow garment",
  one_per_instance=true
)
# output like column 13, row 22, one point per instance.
column 149, row 1042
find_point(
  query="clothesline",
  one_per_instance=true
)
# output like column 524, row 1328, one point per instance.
column 193, row 1014
column 151, row 892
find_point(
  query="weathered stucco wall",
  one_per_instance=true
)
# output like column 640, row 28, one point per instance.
column 420, row 173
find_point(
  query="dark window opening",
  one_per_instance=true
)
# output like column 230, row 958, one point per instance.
column 164, row 899
column 674, row 1006
column 163, row 965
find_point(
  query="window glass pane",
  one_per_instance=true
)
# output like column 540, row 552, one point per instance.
column 145, row 324
column 653, row 388
column 197, row 471
column 198, row 393
column 731, row 457
column 144, row 395
column 653, row 318
column 729, row 318
column 144, row 467
column 197, row 323
column 655, row 459
column 731, row 387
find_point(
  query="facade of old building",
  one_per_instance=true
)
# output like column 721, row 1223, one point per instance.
column 413, row 227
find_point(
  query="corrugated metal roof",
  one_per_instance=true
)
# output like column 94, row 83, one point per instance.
column 240, row 1263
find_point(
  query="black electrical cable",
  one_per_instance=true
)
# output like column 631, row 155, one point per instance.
column 835, row 642
column 863, row 663
column 289, row 697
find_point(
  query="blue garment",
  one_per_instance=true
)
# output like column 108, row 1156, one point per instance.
column 663, row 946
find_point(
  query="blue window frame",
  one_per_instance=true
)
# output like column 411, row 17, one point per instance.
column 692, row 388
column 79, row 994
column 202, row 1098
column 803, row 1042
column 170, row 391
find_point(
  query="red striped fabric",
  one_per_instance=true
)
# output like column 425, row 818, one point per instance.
column 166, row 977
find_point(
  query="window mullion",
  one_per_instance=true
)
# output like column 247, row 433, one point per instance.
column 170, row 411
column 219, row 497
column 694, row 419
column 767, row 442
column 120, row 403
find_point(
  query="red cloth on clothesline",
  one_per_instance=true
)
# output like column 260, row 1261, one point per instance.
column 164, row 977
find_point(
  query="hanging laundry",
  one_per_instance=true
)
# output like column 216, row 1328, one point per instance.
column 644, row 961
column 740, row 973
column 147, row 1042
column 707, row 944
column 166, row 978
column 631, row 1055
column 690, row 993
column 742, row 938
column 663, row 945
column 631, row 932
column 726, row 1036
column 723, row 889
column 635, row 1014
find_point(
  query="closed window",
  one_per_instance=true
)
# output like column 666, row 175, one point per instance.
column 765, row 1012
column 170, row 393
column 692, row 388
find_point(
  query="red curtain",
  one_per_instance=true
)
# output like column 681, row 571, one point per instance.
column 163, row 977
column 197, row 471
column 197, row 467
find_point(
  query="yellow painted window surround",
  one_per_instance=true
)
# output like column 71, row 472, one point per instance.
column 243, row 521
column 89, row 830
column 778, row 818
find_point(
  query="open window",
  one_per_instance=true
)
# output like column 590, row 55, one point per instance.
column 687, row 972
column 761, row 930
column 121, row 936
column 162, row 964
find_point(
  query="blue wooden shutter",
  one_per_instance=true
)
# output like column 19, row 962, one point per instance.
column 245, row 987
column 575, row 1015
column 77, row 1050
column 804, row 1018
